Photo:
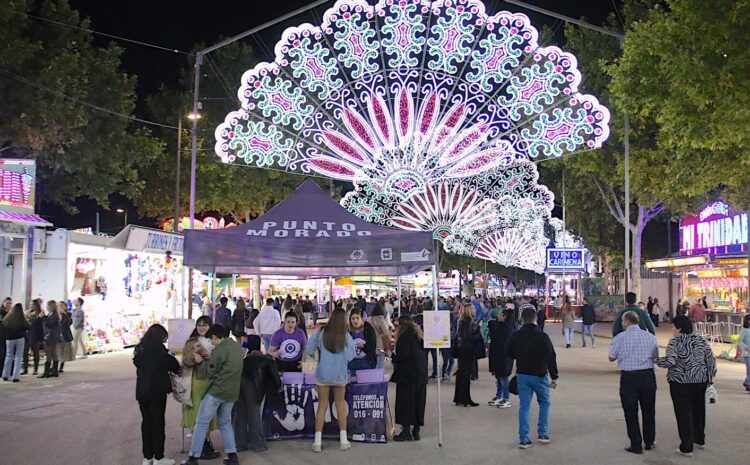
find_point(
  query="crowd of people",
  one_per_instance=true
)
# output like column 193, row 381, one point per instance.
column 54, row 330
column 229, row 378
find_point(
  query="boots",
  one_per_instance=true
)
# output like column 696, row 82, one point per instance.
column 405, row 435
column 53, row 372
column 62, row 365
column 209, row 453
column 46, row 370
column 415, row 433
column 36, row 367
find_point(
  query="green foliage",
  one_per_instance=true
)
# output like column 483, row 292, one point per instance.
column 685, row 68
column 80, row 152
column 227, row 189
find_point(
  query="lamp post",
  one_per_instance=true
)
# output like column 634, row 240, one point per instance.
column 125, row 212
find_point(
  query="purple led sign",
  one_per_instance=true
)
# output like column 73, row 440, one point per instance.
column 715, row 230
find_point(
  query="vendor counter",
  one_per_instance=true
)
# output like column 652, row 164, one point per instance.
column 290, row 414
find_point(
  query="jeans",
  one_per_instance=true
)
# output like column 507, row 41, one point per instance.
column 590, row 330
column 210, row 407
column 447, row 362
column 639, row 388
column 501, row 383
column 747, row 370
column 266, row 338
column 527, row 386
column 14, row 349
column 568, row 332
column 434, row 354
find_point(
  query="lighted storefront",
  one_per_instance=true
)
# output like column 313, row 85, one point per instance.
column 713, row 259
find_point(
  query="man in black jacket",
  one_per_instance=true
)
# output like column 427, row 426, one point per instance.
column 588, row 315
column 535, row 357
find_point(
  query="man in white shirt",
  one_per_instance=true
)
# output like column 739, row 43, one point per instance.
column 266, row 323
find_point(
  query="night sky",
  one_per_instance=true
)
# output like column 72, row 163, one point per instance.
column 184, row 24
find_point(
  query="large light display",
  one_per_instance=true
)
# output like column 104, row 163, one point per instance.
column 458, row 211
column 406, row 94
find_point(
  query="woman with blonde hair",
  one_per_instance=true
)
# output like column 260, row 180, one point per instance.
column 410, row 375
column 52, row 337
column 466, row 335
column 65, row 348
column 568, row 322
column 336, row 349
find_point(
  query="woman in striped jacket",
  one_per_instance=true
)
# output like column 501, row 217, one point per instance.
column 691, row 368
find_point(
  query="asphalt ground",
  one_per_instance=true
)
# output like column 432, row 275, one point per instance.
column 90, row 416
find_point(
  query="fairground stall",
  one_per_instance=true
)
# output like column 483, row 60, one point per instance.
column 310, row 235
column 713, row 262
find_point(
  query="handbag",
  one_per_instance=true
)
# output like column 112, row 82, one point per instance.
column 711, row 395
column 513, row 385
column 480, row 350
column 181, row 386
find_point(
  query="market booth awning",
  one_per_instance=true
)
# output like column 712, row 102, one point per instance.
column 309, row 234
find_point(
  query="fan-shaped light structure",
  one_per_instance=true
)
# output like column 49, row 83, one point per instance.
column 408, row 93
column 522, row 247
column 462, row 210
column 566, row 239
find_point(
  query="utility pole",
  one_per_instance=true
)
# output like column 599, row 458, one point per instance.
column 177, row 177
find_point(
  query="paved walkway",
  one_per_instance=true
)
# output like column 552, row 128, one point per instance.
column 90, row 417
column 664, row 332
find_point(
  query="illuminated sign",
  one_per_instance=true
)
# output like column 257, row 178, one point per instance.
column 17, row 180
column 731, row 261
column 716, row 230
column 676, row 262
column 568, row 259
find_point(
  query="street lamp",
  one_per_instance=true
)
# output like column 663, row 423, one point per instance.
column 120, row 210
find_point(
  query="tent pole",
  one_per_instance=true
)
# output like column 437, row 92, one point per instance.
column 435, row 295
column 331, row 305
column 398, row 299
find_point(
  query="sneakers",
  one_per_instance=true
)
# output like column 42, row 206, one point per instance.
column 503, row 404
column 543, row 439
column 567, row 346
column 232, row 459
column 684, row 454
column 433, row 376
column 495, row 401
column 593, row 345
column 525, row 444
column 147, row 462
column 701, row 446
column 317, row 447
column 345, row 445
column 163, row 461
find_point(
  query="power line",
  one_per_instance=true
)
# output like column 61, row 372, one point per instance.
column 92, row 106
column 111, row 36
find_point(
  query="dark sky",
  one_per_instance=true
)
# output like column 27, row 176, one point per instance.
column 184, row 24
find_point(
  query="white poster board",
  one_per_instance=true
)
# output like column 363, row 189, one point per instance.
column 437, row 329
column 179, row 330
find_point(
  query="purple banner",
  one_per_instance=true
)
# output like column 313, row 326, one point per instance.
column 291, row 414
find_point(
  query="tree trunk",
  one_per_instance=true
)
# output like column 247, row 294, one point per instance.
column 607, row 275
column 257, row 299
column 635, row 267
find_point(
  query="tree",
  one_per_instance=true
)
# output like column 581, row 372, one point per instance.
column 603, row 170
column 685, row 68
column 233, row 190
column 80, row 151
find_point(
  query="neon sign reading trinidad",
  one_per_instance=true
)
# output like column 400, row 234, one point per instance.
column 716, row 230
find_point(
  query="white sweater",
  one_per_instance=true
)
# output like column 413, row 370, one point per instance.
column 267, row 322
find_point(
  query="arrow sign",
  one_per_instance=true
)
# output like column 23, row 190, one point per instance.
column 421, row 256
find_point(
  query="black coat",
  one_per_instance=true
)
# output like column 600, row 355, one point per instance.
column 499, row 332
column 409, row 360
column 588, row 315
column 67, row 320
column 153, row 365
column 467, row 333
column 261, row 371
column 36, row 331
column 52, row 334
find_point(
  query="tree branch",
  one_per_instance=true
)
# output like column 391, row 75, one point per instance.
column 610, row 203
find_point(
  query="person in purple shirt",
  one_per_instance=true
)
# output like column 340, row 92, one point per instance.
column 288, row 345
column 365, row 342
